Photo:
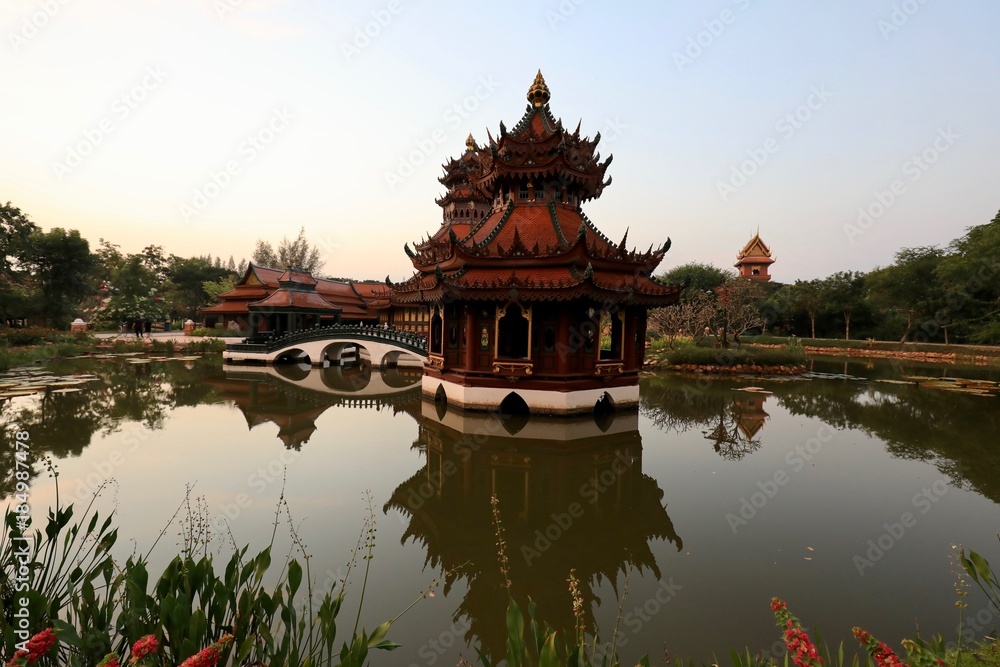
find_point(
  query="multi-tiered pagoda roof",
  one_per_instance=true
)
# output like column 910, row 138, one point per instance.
column 534, row 241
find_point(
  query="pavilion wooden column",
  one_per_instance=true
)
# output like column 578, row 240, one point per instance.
column 563, row 349
column 471, row 338
column 628, row 339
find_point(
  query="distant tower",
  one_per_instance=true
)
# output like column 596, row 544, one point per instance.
column 754, row 260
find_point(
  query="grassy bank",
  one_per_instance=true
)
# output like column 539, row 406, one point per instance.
column 743, row 359
column 12, row 356
column 878, row 347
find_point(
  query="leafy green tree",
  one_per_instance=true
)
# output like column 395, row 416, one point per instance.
column 845, row 294
column 908, row 287
column 970, row 274
column 184, row 289
column 809, row 297
column 15, row 230
column 61, row 267
column 296, row 253
column 696, row 277
column 214, row 288
column 134, row 292
column 15, row 292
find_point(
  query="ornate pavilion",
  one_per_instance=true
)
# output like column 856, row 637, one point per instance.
column 530, row 306
column 754, row 260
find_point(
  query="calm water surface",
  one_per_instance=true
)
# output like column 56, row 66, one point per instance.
column 841, row 495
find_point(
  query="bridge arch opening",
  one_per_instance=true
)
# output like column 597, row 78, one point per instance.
column 441, row 402
column 293, row 356
column 604, row 412
column 398, row 377
column 344, row 353
column 296, row 371
column 347, row 378
column 514, row 413
column 401, row 358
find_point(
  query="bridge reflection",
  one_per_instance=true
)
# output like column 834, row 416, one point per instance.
column 293, row 396
column 571, row 495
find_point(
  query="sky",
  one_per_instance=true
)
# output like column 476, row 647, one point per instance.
column 842, row 130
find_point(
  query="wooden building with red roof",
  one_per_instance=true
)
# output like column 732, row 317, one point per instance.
column 754, row 260
column 270, row 296
column 519, row 285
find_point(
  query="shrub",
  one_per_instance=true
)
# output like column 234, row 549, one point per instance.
column 202, row 346
column 704, row 356
column 219, row 333
column 37, row 335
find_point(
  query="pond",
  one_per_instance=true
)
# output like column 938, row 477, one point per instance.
column 841, row 493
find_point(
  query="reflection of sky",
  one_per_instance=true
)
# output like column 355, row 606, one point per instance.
column 834, row 503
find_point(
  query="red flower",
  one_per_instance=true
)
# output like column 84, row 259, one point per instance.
column 142, row 647
column 40, row 644
column 208, row 656
column 110, row 660
column 801, row 648
column 880, row 651
column 18, row 658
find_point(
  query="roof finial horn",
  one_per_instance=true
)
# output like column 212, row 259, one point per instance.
column 538, row 93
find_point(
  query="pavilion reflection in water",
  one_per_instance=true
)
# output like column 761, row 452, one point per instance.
column 571, row 494
column 293, row 396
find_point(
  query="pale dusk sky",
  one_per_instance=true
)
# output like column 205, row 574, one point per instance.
column 203, row 125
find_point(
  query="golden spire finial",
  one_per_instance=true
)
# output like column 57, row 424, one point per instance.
column 470, row 143
column 538, row 94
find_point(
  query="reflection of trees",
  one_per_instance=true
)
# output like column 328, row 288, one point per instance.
column 581, row 504
column 732, row 421
column 954, row 432
column 63, row 424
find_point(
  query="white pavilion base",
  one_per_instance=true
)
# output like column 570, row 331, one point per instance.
column 556, row 429
column 540, row 402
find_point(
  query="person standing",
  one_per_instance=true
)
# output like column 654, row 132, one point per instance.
column 137, row 327
column 148, row 327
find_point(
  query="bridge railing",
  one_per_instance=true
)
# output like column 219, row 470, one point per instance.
column 268, row 343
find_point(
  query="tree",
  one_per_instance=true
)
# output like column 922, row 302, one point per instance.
column 184, row 289
column 15, row 294
column 297, row 253
column 263, row 254
column 134, row 292
column 738, row 306
column 214, row 288
column 807, row 296
column 845, row 293
column 970, row 276
column 689, row 317
column 908, row 286
column 15, row 230
column 61, row 265
column 696, row 277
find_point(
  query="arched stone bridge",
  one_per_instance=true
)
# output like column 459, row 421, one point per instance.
column 333, row 344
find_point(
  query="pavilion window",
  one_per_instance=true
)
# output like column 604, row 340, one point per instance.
column 612, row 331
column 522, row 192
column 437, row 332
column 513, row 332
